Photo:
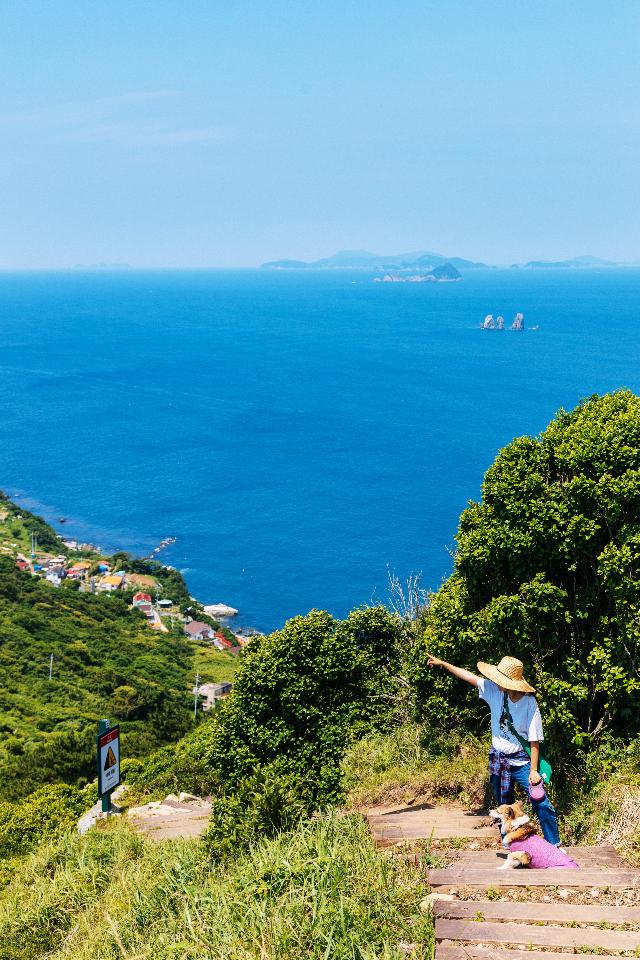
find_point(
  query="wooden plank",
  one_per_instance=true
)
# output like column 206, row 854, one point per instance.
column 487, row 876
column 430, row 815
column 541, row 936
column 517, row 910
column 469, row 951
column 435, row 833
column 607, row 856
column 421, row 825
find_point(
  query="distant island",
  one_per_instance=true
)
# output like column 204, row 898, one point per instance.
column 420, row 262
column 423, row 264
column 577, row 263
column 446, row 273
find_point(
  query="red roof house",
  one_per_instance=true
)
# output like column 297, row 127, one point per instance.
column 140, row 598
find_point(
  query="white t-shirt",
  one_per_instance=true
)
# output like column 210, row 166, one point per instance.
column 525, row 715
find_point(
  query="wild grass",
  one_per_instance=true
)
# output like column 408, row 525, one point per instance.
column 214, row 666
column 405, row 766
column 322, row 891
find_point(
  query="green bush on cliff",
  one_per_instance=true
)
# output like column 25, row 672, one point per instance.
column 303, row 694
column 548, row 569
column 39, row 818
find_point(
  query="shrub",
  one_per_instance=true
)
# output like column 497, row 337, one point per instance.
column 260, row 806
column 39, row 817
column 302, row 694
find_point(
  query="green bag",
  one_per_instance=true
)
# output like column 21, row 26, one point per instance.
column 544, row 767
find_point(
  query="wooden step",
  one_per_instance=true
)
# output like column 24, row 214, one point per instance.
column 469, row 951
column 518, row 910
column 534, row 935
column 423, row 824
column 589, row 856
column 471, row 876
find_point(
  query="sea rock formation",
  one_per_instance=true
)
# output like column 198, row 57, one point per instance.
column 216, row 610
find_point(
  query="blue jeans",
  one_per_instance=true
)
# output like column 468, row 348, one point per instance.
column 543, row 809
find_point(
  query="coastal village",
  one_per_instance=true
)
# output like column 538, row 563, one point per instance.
column 83, row 567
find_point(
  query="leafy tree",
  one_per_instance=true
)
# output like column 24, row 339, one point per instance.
column 548, row 569
column 302, row 693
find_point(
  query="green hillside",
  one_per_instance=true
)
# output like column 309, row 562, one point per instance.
column 107, row 663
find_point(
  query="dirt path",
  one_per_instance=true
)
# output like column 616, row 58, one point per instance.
column 171, row 818
column 482, row 913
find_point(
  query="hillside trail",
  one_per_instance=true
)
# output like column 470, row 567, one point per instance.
column 483, row 913
column 176, row 816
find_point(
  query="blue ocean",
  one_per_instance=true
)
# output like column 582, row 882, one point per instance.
column 300, row 434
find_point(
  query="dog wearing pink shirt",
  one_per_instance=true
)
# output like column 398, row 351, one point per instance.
column 526, row 847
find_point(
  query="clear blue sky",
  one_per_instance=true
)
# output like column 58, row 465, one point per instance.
column 218, row 133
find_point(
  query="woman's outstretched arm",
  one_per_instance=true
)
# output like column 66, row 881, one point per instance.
column 458, row 672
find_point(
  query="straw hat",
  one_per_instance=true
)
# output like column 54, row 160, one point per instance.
column 508, row 674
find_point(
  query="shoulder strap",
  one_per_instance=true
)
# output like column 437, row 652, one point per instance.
column 505, row 709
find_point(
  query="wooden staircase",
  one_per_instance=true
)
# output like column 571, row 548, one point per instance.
column 483, row 913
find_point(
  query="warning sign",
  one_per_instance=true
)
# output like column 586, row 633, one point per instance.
column 108, row 760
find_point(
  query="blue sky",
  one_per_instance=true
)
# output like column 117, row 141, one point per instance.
column 223, row 134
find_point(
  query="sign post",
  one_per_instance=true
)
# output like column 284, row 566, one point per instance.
column 108, row 756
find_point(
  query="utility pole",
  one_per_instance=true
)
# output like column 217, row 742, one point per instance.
column 50, row 666
column 195, row 699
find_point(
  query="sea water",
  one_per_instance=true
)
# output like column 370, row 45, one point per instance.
column 301, row 434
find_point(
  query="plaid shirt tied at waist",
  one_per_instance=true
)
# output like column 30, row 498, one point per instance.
column 500, row 765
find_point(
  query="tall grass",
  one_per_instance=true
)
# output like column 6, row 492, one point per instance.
column 321, row 892
column 407, row 766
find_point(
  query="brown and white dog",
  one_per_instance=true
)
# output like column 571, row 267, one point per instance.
column 525, row 845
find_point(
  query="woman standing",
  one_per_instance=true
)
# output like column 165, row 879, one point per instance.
column 509, row 762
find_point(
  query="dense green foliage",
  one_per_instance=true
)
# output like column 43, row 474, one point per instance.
column 106, row 663
column 548, row 570
column 321, row 891
column 40, row 817
column 302, row 694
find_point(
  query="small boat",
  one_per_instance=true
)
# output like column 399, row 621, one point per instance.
column 62, row 519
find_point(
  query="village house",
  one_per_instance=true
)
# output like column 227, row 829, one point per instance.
column 111, row 582
column 79, row 570
column 221, row 642
column 198, row 630
column 141, row 599
column 165, row 606
column 212, row 693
